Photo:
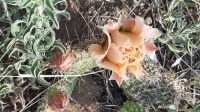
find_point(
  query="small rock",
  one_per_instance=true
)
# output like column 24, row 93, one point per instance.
column 110, row 1
column 142, row 4
column 91, row 10
column 148, row 20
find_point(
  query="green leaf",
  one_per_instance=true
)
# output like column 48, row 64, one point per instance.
column 186, row 4
column 50, row 40
column 130, row 106
column 180, row 40
column 16, row 14
column 52, row 12
column 32, row 14
column 60, row 46
column 10, row 43
column 195, row 27
column 181, row 24
column 26, row 3
column 30, row 27
column 5, row 70
column 187, row 45
column 13, row 2
column 26, row 68
column 198, row 12
column 173, row 49
column 3, row 19
column 20, row 3
column 35, row 47
column 194, row 45
column 173, row 4
column 177, row 14
column 196, row 108
column 15, row 28
column 53, row 17
column 22, row 50
column 17, row 64
column 57, row 1
column 64, row 13
column 5, row 88
column 34, row 68
column 27, row 37
column 49, row 4
column 164, row 41
column 197, row 85
column 42, row 81
column 69, row 87
column 156, row 3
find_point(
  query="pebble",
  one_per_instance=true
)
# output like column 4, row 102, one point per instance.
column 148, row 20
column 142, row 4
column 91, row 10
column 110, row 1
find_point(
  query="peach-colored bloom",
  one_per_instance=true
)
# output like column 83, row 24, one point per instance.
column 115, row 61
column 116, row 77
column 98, row 52
column 136, row 69
column 149, row 32
column 150, row 50
column 124, row 46
column 119, row 38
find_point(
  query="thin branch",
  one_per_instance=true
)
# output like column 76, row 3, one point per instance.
column 30, row 75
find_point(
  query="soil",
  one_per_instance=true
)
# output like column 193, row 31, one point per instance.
column 85, row 91
column 92, row 94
